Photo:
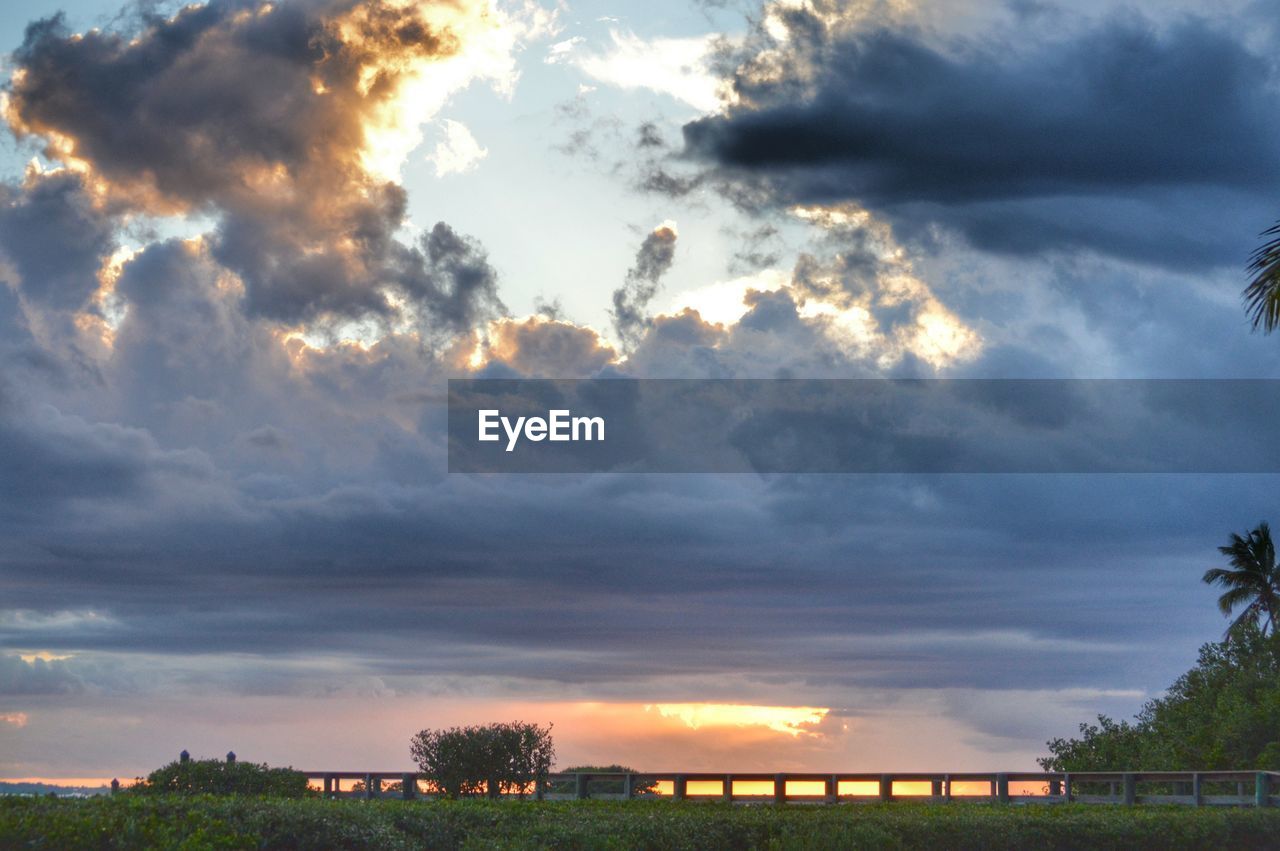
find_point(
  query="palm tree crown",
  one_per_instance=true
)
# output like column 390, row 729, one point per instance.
column 1253, row 580
column 1262, row 296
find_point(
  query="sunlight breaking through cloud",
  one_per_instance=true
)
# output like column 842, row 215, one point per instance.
column 791, row 720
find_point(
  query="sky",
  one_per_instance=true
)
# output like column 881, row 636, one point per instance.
column 243, row 245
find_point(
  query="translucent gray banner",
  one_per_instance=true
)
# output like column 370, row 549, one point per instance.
column 864, row 426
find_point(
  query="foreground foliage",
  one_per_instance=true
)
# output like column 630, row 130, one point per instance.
column 215, row 777
column 610, row 786
column 230, row 822
column 1222, row 714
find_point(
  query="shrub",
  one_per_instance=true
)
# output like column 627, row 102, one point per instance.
column 465, row 761
column 1222, row 714
column 613, row 786
column 214, row 777
column 192, row 822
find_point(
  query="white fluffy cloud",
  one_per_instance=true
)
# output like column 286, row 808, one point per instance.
column 677, row 67
column 458, row 152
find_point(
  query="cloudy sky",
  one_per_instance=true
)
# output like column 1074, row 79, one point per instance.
column 243, row 244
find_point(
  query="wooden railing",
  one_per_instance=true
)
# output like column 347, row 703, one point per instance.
column 1193, row 788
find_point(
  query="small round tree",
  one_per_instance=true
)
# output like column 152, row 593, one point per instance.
column 215, row 777
column 464, row 761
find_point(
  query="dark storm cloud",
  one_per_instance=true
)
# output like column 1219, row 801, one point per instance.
column 1127, row 323
column 184, row 336
column 451, row 273
column 226, row 490
column 548, row 347
column 1156, row 145
column 771, row 340
column 48, row 459
column 729, row 587
column 879, row 426
column 631, row 301
column 363, row 547
column 19, row 677
column 261, row 115
column 55, row 238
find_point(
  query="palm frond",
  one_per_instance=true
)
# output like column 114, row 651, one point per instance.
column 1266, row 549
column 1262, row 295
column 1240, row 550
column 1251, row 614
column 1253, row 580
column 1237, row 595
column 1217, row 576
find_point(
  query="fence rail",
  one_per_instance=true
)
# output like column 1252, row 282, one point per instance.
column 1192, row 788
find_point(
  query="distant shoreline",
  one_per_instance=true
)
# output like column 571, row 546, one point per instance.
column 42, row 787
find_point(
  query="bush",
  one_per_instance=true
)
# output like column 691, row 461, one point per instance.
column 194, row 822
column 214, row 777
column 1222, row 714
column 466, row 761
column 612, row 786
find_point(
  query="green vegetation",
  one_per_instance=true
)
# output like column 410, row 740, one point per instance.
column 1262, row 295
column 1222, row 714
column 229, row 822
column 215, row 777
column 610, row 786
column 468, row 761
column 1252, row 581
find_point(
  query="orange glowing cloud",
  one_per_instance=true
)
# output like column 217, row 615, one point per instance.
column 295, row 151
column 790, row 720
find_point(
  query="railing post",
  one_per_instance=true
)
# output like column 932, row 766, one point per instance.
column 628, row 786
column 1002, row 788
column 1066, row 787
column 946, row 788
column 580, row 787
column 408, row 786
column 886, row 787
column 728, row 788
column 833, row 790
column 679, row 787
column 1055, row 788
column 1261, row 789
column 1130, row 789
column 368, row 787
column 1197, row 789
column 935, row 788
column 328, row 785
column 779, row 788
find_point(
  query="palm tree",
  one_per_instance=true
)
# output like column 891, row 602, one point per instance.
column 1253, row 580
column 1262, row 296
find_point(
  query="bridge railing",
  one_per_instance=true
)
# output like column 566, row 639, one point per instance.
column 1193, row 788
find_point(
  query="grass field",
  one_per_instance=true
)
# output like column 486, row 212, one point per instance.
column 230, row 822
